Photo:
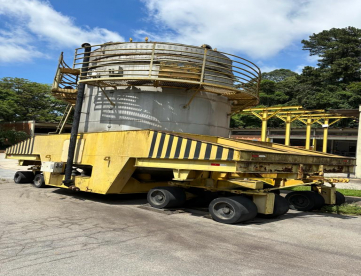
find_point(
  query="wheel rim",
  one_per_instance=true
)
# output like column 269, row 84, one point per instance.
column 223, row 210
column 157, row 197
column 37, row 181
column 299, row 201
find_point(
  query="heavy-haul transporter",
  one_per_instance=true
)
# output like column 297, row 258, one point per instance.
column 152, row 117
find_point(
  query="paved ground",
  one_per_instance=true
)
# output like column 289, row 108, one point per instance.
column 56, row 232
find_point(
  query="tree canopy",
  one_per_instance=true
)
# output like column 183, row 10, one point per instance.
column 23, row 100
column 334, row 84
column 278, row 75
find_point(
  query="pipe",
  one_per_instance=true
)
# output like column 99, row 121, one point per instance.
column 77, row 111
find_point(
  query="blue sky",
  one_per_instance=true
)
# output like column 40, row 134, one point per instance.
column 268, row 32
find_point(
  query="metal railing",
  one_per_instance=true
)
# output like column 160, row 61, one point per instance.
column 172, row 65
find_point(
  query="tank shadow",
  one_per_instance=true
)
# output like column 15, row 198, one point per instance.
column 111, row 199
column 194, row 208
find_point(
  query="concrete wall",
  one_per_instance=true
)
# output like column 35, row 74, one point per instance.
column 26, row 126
column 155, row 108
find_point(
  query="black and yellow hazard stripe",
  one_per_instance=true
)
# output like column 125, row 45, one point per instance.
column 24, row 147
column 166, row 145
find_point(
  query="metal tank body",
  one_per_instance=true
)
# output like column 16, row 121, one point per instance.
column 154, row 108
column 164, row 86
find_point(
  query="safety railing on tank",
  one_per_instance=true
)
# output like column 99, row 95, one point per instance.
column 172, row 65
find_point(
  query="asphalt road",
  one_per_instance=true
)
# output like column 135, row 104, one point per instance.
column 57, row 232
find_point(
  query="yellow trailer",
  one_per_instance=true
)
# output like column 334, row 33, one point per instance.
column 115, row 153
column 141, row 161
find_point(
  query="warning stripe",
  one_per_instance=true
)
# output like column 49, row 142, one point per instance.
column 165, row 145
column 24, row 147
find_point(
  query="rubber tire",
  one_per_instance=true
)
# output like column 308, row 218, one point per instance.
column 340, row 199
column 23, row 177
column 280, row 208
column 308, row 196
column 39, row 181
column 173, row 197
column 244, row 209
column 319, row 201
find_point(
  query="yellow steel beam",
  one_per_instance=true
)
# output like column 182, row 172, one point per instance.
column 264, row 126
column 273, row 108
column 325, row 135
column 301, row 111
column 308, row 133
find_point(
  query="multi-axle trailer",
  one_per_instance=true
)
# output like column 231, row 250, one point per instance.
column 170, row 88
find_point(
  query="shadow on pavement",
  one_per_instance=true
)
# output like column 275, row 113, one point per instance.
column 194, row 208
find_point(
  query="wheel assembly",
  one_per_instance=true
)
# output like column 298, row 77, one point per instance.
column 302, row 200
column 319, row 201
column 166, row 197
column 39, row 181
column 23, row 177
column 280, row 208
column 340, row 198
column 232, row 210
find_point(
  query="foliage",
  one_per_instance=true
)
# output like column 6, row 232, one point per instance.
column 334, row 84
column 23, row 100
column 347, row 209
column 11, row 137
column 345, row 192
column 278, row 75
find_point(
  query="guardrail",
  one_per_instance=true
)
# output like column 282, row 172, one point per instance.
column 172, row 65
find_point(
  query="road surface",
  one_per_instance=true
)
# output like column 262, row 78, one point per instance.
column 57, row 232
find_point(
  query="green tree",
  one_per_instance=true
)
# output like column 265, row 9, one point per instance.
column 23, row 100
column 11, row 137
column 278, row 75
column 339, row 52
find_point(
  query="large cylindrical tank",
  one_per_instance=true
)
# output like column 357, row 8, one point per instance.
column 161, row 86
column 159, row 108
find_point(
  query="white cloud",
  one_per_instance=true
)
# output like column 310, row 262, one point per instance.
column 38, row 21
column 299, row 68
column 15, row 46
column 259, row 28
column 313, row 59
column 265, row 68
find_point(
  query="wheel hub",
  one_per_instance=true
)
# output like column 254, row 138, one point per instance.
column 226, row 210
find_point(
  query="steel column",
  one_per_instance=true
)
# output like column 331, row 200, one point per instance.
column 308, row 133
column 288, row 130
column 325, row 135
column 77, row 111
column 264, row 126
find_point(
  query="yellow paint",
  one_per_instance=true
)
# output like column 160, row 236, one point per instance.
column 114, row 157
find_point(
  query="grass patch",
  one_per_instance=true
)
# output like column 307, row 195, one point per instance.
column 346, row 192
column 346, row 209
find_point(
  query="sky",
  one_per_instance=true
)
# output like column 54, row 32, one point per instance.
column 33, row 33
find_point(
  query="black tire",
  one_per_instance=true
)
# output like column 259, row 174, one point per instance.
column 231, row 210
column 23, row 177
column 340, row 198
column 319, row 201
column 301, row 200
column 280, row 208
column 166, row 197
column 39, row 181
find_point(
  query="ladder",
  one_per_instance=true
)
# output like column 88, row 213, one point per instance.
column 63, row 120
